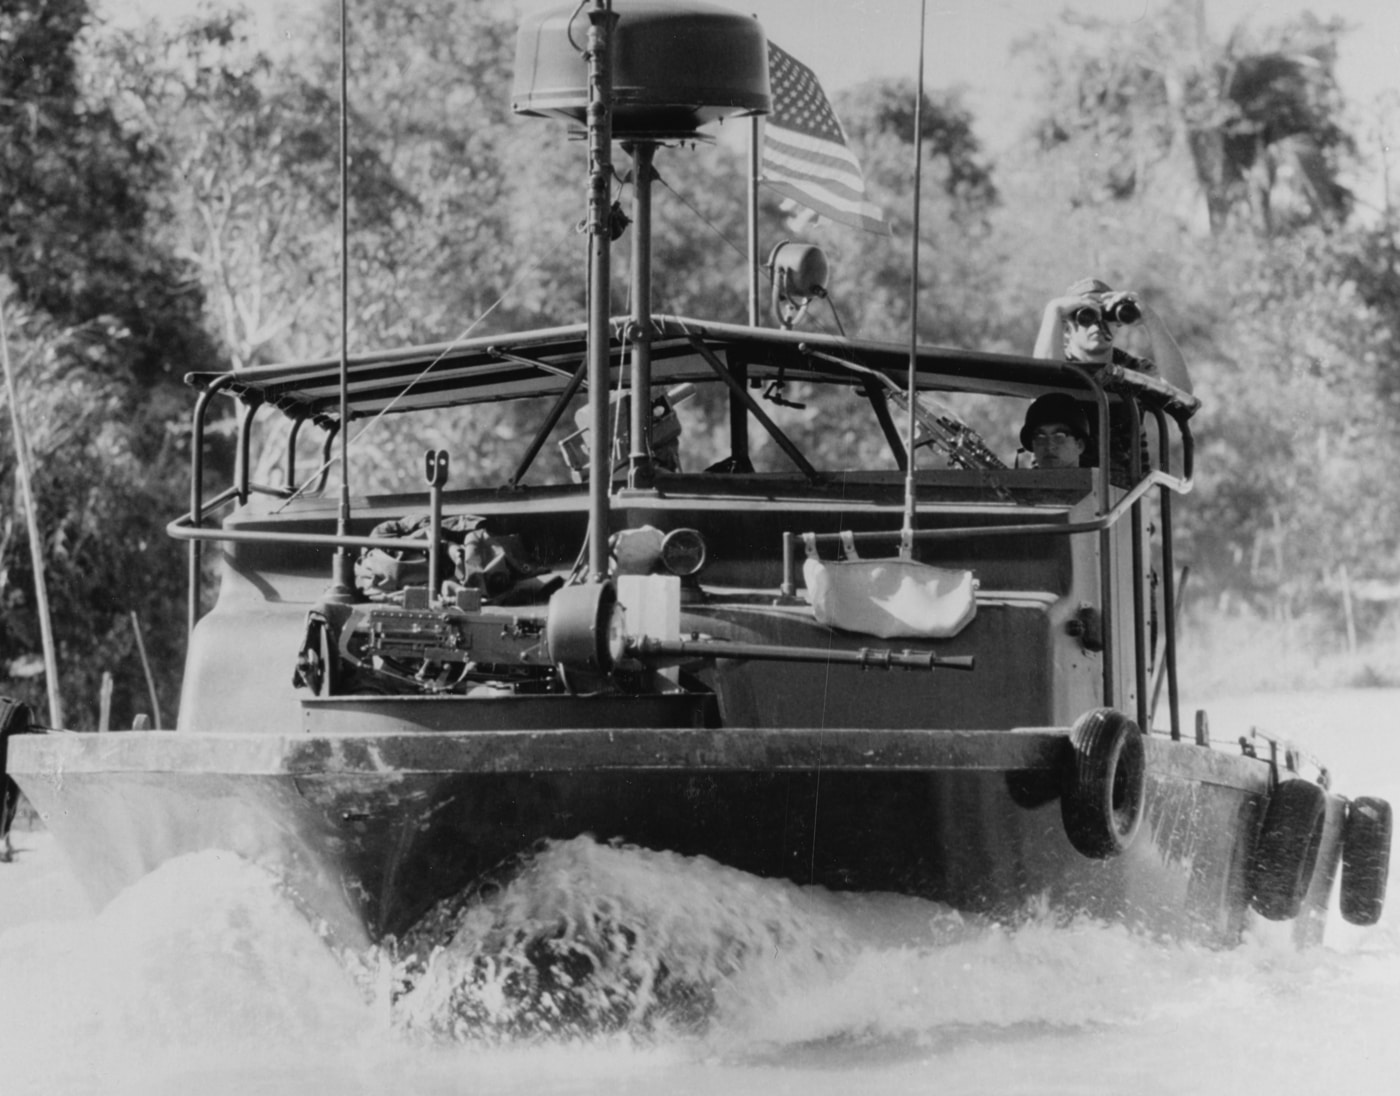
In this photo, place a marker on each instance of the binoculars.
(1121, 311)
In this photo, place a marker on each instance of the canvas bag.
(470, 555)
(887, 597)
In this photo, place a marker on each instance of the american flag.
(805, 157)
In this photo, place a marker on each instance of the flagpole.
(906, 537)
(36, 547)
(755, 165)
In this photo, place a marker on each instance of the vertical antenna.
(342, 574)
(906, 536)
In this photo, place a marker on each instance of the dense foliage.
(172, 202)
(102, 315)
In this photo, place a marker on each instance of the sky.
(968, 42)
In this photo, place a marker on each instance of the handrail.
(1102, 489)
(186, 528)
(194, 561)
(1093, 525)
(190, 526)
(1107, 517)
(182, 528)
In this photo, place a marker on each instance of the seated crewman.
(1056, 432)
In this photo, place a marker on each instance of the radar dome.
(675, 67)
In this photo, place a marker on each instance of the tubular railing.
(190, 527)
(1107, 517)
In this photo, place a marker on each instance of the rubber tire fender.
(1104, 783)
(318, 661)
(1285, 854)
(1365, 860)
(15, 718)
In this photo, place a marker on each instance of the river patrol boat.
(939, 677)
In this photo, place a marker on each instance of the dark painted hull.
(369, 830)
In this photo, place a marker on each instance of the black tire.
(1285, 854)
(1365, 860)
(15, 718)
(318, 665)
(1105, 783)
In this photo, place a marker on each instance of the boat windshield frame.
(550, 364)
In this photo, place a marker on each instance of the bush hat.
(1055, 409)
(1088, 286)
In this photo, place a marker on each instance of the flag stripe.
(786, 159)
(861, 215)
(795, 170)
(824, 194)
(805, 156)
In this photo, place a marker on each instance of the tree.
(871, 276)
(76, 187)
(1249, 125)
(255, 146)
(1296, 446)
(102, 316)
(103, 490)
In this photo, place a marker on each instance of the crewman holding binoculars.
(1082, 326)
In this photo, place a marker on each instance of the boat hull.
(370, 830)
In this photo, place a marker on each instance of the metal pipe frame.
(551, 420)
(639, 457)
(601, 20)
(741, 394)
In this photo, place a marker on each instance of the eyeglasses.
(1050, 437)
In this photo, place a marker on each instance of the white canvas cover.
(888, 597)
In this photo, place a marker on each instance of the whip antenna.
(342, 575)
(906, 536)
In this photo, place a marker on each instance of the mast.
(600, 24)
(651, 74)
(755, 267)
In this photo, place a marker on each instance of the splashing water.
(596, 968)
(589, 938)
(601, 968)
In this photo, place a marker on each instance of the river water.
(203, 979)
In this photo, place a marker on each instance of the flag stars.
(799, 102)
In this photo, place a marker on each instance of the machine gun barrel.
(647, 648)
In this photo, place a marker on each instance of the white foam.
(204, 979)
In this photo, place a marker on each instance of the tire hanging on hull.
(15, 718)
(1104, 783)
(1285, 854)
(1365, 860)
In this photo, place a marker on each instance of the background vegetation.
(171, 203)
